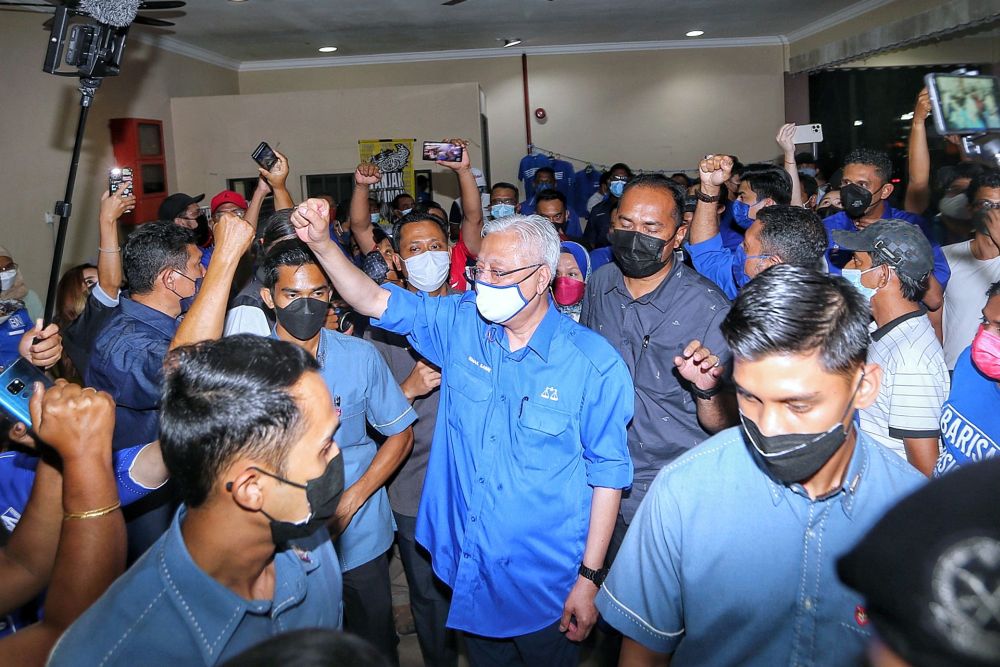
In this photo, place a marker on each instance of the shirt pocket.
(655, 371)
(352, 430)
(468, 396)
(541, 441)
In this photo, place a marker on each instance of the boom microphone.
(117, 13)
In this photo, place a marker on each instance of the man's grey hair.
(538, 240)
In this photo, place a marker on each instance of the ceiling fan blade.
(161, 4)
(147, 20)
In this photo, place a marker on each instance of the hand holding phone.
(440, 151)
(17, 385)
(264, 156)
(120, 177)
(808, 134)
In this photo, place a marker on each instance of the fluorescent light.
(511, 42)
(907, 116)
(858, 123)
(327, 49)
(694, 33)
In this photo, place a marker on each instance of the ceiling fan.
(145, 6)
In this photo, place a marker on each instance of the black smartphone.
(120, 177)
(17, 384)
(264, 156)
(440, 151)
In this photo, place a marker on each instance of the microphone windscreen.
(118, 13)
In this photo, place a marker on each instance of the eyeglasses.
(474, 273)
(986, 204)
(512, 202)
(240, 212)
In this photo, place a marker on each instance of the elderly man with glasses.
(529, 454)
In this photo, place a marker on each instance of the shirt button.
(807, 603)
(472, 518)
(465, 555)
(503, 399)
(482, 480)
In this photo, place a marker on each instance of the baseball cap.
(175, 204)
(929, 571)
(228, 197)
(902, 245)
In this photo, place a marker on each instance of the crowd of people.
(681, 421)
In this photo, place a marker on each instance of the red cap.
(228, 197)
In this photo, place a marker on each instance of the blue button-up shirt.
(837, 258)
(165, 610)
(126, 360)
(11, 331)
(365, 392)
(521, 437)
(719, 263)
(724, 566)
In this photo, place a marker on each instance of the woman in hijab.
(12, 287)
(570, 284)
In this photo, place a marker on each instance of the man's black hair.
(150, 249)
(872, 158)
(810, 186)
(292, 252)
(793, 310)
(769, 182)
(544, 170)
(426, 206)
(738, 167)
(948, 174)
(395, 200)
(277, 226)
(605, 177)
(224, 399)
(550, 195)
(506, 186)
(912, 290)
(416, 216)
(665, 185)
(311, 648)
(988, 178)
(794, 234)
(687, 181)
(379, 235)
(993, 290)
(621, 165)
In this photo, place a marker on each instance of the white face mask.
(428, 270)
(500, 303)
(956, 207)
(375, 217)
(7, 279)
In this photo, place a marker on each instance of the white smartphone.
(808, 134)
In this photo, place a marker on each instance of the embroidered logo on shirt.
(480, 364)
(551, 393)
(861, 615)
(10, 519)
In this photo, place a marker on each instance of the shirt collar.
(660, 297)
(889, 326)
(156, 319)
(541, 340)
(212, 611)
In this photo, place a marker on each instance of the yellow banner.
(395, 158)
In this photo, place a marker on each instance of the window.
(246, 187)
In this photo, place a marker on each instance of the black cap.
(174, 205)
(930, 571)
(902, 245)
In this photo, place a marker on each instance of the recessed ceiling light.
(327, 49)
(237, 0)
(511, 42)
(859, 123)
(694, 33)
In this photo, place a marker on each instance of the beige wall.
(318, 130)
(37, 123)
(651, 108)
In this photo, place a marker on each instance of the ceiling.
(268, 30)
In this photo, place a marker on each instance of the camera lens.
(15, 387)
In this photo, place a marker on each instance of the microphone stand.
(63, 208)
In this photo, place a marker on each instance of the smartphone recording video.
(964, 104)
(264, 156)
(439, 151)
(119, 177)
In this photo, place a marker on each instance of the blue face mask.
(808, 171)
(374, 217)
(501, 210)
(741, 214)
(188, 301)
(853, 276)
(739, 273)
(616, 188)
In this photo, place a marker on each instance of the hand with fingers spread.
(699, 366)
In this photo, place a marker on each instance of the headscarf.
(582, 258)
(19, 290)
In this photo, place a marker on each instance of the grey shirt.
(649, 332)
(405, 488)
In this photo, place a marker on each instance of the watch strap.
(596, 576)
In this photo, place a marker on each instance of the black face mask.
(323, 494)
(637, 254)
(855, 200)
(303, 317)
(827, 211)
(796, 456)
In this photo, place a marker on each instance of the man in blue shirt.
(529, 456)
(864, 192)
(364, 394)
(247, 435)
(731, 557)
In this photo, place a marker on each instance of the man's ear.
(680, 236)
(168, 278)
(811, 203)
(397, 263)
(244, 486)
(868, 390)
(267, 297)
(886, 191)
(544, 279)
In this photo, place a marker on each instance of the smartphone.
(17, 384)
(439, 151)
(264, 156)
(120, 177)
(964, 104)
(808, 134)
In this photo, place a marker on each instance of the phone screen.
(439, 151)
(264, 156)
(120, 177)
(965, 104)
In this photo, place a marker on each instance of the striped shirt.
(915, 382)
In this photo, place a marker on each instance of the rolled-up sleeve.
(641, 597)
(129, 490)
(607, 410)
(714, 261)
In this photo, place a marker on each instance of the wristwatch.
(708, 199)
(596, 576)
(706, 394)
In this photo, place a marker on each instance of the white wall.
(37, 124)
